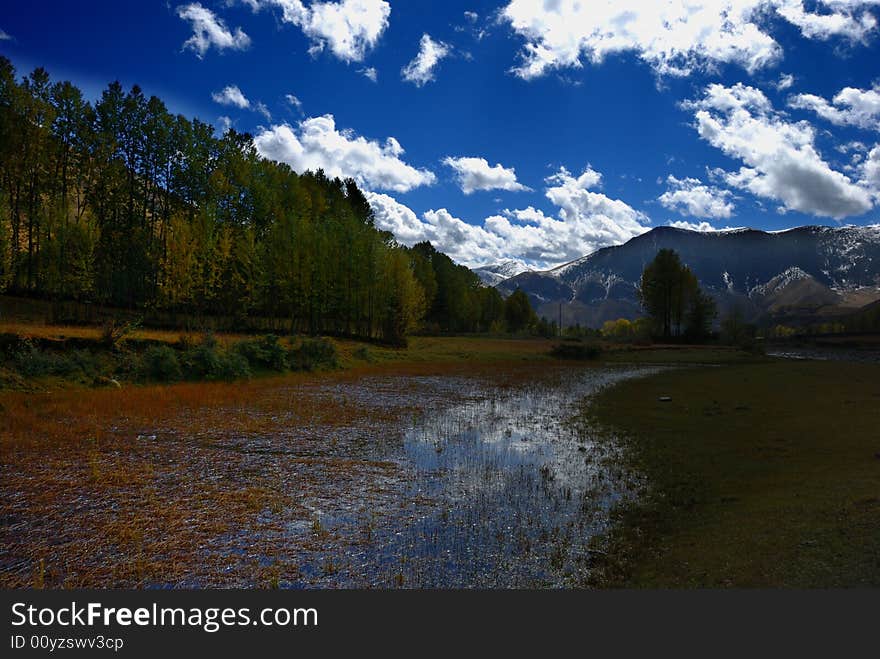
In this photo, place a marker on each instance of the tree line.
(124, 204)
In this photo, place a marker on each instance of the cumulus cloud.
(595, 220)
(871, 172)
(780, 157)
(674, 37)
(316, 143)
(421, 69)
(348, 28)
(370, 73)
(209, 30)
(843, 18)
(231, 95)
(587, 220)
(5, 36)
(849, 107)
(476, 174)
(689, 196)
(464, 243)
(703, 227)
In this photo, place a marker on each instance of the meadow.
(757, 475)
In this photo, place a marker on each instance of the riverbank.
(754, 475)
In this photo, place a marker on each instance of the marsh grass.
(755, 475)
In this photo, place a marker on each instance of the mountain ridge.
(814, 268)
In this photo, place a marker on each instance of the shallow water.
(497, 486)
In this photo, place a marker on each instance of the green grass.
(756, 475)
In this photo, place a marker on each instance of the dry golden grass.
(193, 484)
(39, 330)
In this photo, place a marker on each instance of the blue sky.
(515, 129)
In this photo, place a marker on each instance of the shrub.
(207, 361)
(576, 351)
(265, 352)
(86, 362)
(313, 354)
(201, 362)
(363, 354)
(161, 363)
(232, 366)
(33, 362)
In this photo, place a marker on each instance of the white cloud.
(786, 80)
(209, 30)
(871, 172)
(231, 95)
(225, 124)
(421, 69)
(594, 220)
(674, 37)
(316, 143)
(401, 220)
(587, 221)
(294, 101)
(260, 107)
(370, 73)
(464, 243)
(349, 28)
(850, 107)
(844, 18)
(780, 157)
(476, 174)
(689, 196)
(703, 227)
(471, 16)
(4, 36)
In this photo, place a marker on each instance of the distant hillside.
(814, 270)
(494, 274)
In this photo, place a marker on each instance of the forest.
(122, 204)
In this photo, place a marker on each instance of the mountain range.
(807, 271)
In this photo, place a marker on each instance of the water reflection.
(502, 489)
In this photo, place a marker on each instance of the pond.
(500, 484)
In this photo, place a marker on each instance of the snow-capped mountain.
(811, 268)
(494, 274)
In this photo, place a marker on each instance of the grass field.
(758, 475)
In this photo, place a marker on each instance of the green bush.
(313, 354)
(87, 363)
(265, 352)
(207, 361)
(363, 354)
(233, 366)
(33, 362)
(160, 363)
(201, 362)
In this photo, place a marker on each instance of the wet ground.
(497, 488)
(478, 479)
(821, 353)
